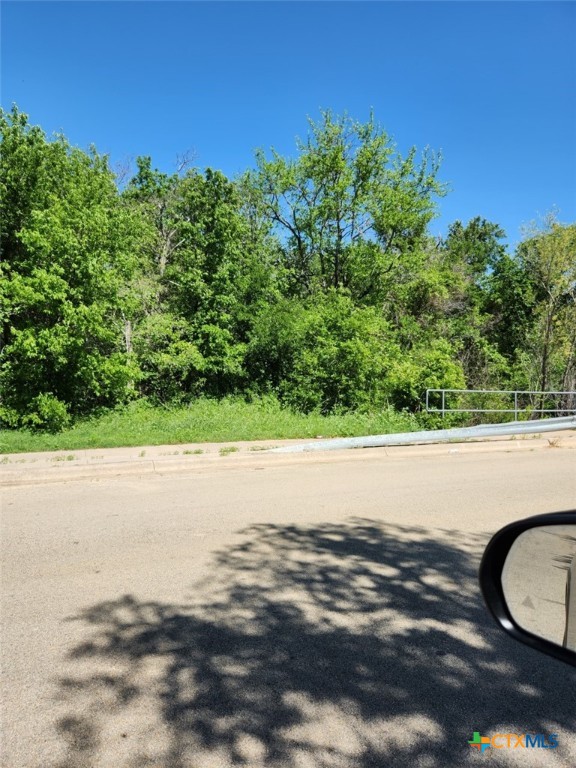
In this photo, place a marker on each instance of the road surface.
(317, 613)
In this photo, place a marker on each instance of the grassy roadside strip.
(205, 420)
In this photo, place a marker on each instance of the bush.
(325, 356)
(424, 367)
(46, 414)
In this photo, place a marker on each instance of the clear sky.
(492, 85)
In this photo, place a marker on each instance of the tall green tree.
(68, 246)
(157, 194)
(511, 301)
(470, 253)
(349, 210)
(548, 257)
(213, 275)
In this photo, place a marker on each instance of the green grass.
(205, 420)
(228, 449)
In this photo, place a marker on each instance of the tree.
(68, 246)
(349, 210)
(548, 257)
(510, 302)
(475, 245)
(470, 254)
(157, 193)
(313, 278)
(445, 300)
(322, 353)
(213, 278)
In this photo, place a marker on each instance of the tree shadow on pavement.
(356, 644)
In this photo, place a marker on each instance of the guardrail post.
(515, 406)
(443, 402)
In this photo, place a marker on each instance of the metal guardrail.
(516, 393)
(434, 436)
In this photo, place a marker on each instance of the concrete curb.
(93, 464)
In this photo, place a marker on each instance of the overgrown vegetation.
(204, 420)
(310, 280)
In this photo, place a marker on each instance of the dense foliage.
(313, 279)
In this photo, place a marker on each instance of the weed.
(228, 449)
(205, 421)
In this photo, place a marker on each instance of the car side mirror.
(528, 580)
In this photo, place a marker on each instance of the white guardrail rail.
(528, 401)
(435, 435)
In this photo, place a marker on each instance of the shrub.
(46, 414)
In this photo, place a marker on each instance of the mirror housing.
(514, 563)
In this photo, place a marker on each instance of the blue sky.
(492, 85)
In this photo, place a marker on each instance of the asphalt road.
(316, 613)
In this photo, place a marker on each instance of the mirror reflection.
(539, 583)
